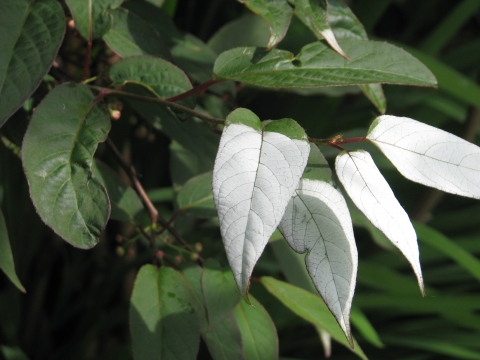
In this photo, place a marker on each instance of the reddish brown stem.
(336, 146)
(351, 140)
(86, 67)
(195, 90)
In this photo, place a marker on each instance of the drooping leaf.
(371, 193)
(318, 65)
(314, 14)
(31, 33)
(309, 307)
(374, 93)
(255, 174)
(92, 15)
(6, 256)
(130, 36)
(196, 196)
(317, 221)
(277, 13)
(124, 200)
(259, 336)
(66, 195)
(163, 323)
(365, 328)
(427, 155)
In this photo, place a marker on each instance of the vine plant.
(266, 174)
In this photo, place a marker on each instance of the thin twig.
(159, 101)
(195, 90)
(86, 67)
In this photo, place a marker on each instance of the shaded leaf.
(372, 195)
(318, 65)
(196, 197)
(309, 307)
(6, 256)
(124, 200)
(427, 155)
(374, 93)
(31, 37)
(343, 21)
(277, 13)
(66, 195)
(160, 311)
(364, 327)
(317, 222)
(130, 36)
(255, 174)
(259, 336)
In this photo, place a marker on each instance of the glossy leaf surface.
(255, 174)
(66, 195)
(371, 193)
(277, 13)
(317, 222)
(31, 33)
(427, 155)
(6, 256)
(317, 65)
(162, 321)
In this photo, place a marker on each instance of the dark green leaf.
(364, 327)
(310, 307)
(374, 93)
(92, 15)
(196, 198)
(224, 341)
(317, 65)
(66, 195)
(343, 21)
(13, 353)
(259, 336)
(277, 13)
(6, 256)
(130, 36)
(29, 41)
(162, 320)
(124, 200)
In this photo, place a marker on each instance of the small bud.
(151, 137)
(198, 247)
(120, 251)
(178, 259)
(159, 254)
(115, 115)
(194, 257)
(71, 24)
(119, 238)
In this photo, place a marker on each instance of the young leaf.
(277, 13)
(317, 65)
(371, 194)
(259, 336)
(196, 196)
(130, 36)
(317, 221)
(427, 155)
(162, 321)
(6, 256)
(314, 14)
(66, 195)
(255, 174)
(31, 33)
(311, 308)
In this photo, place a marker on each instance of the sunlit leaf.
(31, 33)
(277, 13)
(255, 174)
(372, 195)
(317, 65)
(317, 221)
(196, 196)
(160, 311)
(6, 256)
(427, 155)
(66, 195)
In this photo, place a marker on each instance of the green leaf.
(224, 341)
(130, 36)
(441, 243)
(317, 65)
(277, 13)
(92, 15)
(124, 200)
(162, 320)
(374, 93)
(314, 15)
(309, 307)
(364, 327)
(6, 256)
(30, 38)
(160, 77)
(343, 21)
(13, 353)
(196, 197)
(66, 195)
(259, 336)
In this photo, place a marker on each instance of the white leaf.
(256, 172)
(428, 155)
(317, 221)
(372, 195)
